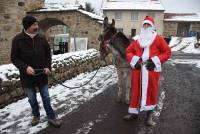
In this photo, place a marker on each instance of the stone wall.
(170, 29)
(11, 91)
(11, 14)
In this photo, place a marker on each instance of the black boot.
(149, 120)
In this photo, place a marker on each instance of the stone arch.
(46, 23)
(78, 23)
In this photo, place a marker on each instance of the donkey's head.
(108, 31)
(111, 40)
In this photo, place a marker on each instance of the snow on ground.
(186, 61)
(8, 70)
(185, 45)
(16, 117)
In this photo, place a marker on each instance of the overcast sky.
(178, 6)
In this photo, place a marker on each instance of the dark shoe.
(35, 121)
(149, 120)
(130, 117)
(56, 122)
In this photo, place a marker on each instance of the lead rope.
(41, 71)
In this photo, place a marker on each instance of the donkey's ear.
(113, 23)
(105, 22)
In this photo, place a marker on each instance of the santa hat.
(149, 20)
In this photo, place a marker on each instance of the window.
(133, 32)
(119, 30)
(134, 16)
(152, 14)
(104, 14)
(21, 4)
(118, 15)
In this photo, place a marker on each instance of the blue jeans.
(44, 93)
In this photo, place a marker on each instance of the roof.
(192, 17)
(58, 7)
(52, 7)
(133, 5)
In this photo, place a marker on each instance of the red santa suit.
(144, 89)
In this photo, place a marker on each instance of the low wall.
(62, 69)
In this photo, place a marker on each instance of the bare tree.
(88, 7)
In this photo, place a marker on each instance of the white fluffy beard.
(146, 37)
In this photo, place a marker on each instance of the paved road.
(180, 114)
(180, 55)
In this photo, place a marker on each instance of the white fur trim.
(134, 60)
(157, 63)
(145, 108)
(145, 55)
(145, 76)
(148, 22)
(145, 81)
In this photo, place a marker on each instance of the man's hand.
(150, 65)
(47, 71)
(30, 70)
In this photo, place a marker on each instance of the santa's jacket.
(159, 52)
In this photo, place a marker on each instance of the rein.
(41, 71)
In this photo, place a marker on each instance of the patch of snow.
(186, 61)
(68, 6)
(86, 127)
(185, 45)
(58, 7)
(7, 70)
(92, 15)
(160, 104)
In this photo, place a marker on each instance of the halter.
(108, 41)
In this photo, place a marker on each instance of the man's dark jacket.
(31, 52)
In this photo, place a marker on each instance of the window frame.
(133, 17)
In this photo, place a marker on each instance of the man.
(30, 51)
(145, 56)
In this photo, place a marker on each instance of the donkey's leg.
(120, 84)
(127, 83)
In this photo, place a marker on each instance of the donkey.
(116, 43)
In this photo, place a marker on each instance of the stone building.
(11, 14)
(181, 24)
(128, 15)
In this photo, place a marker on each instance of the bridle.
(105, 43)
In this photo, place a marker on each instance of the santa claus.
(146, 55)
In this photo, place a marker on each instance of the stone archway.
(49, 24)
(79, 24)
(46, 23)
